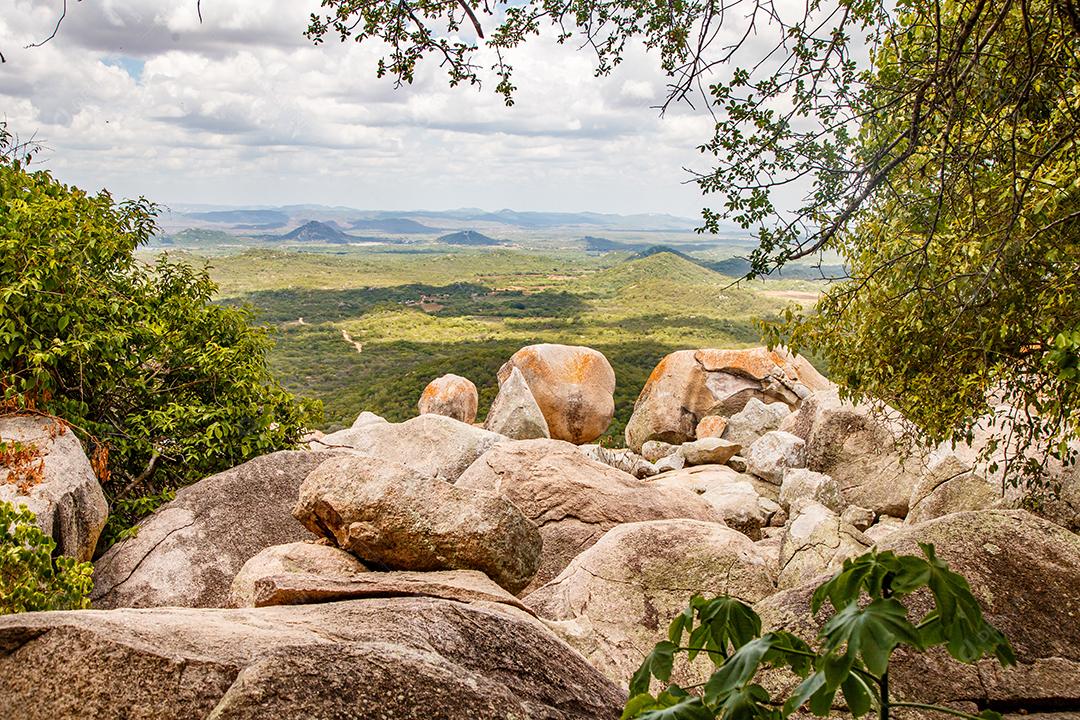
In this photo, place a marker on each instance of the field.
(368, 328)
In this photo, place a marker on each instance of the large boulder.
(615, 600)
(866, 452)
(514, 413)
(816, 542)
(391, 516)
(689, 385)
(754, 420)
(950, 485)
(408, 658)
(574, 500)
(1025, 573)
(573, 385)
(775, 453)
(297, 558)
(433, 445)
(43, 467)
(188, 552)
(803, 486)
(450, 395)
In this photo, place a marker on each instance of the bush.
(855, 645)
(162, 385)
(30, 578)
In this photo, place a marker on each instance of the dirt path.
(348, 338)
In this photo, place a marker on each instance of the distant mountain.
(468, 237)
(249, 217)
(401, 226)
(657, 249)
(599, 244)
(315, 231)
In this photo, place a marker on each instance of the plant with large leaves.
(854, 647)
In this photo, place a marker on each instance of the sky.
(138, 97)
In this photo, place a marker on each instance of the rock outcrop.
(773, 454)
(44, 468)
(391, 516)
(398, 657)
(615, 600)
(433, 445)
(450, 395)
(754, 420)
(816, 542)
(732, 495)
(514, 413)
(863, 451)
(948, 486)
(572, 499)
(689, 385)
(188, 552)
(297, 558)
(573, 385)
(1025, 572)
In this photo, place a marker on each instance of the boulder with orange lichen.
(573, 385)
(450, 395)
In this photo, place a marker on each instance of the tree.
(937, 146)
(869, 622)
(164, 386)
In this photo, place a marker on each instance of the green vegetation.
(870, 621)
(965, 297)
(162, 385)
(30, 578)
(409, 333)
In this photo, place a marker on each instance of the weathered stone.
(689, 385)
(573, 385)
(573, 499)
(304, 558)
(407, 658)
(754, 420)
(863, 451)
(621, 459)
(368, 418)
(188, 552)
(433, 445)
(300, 588)
(816, 543)
(615, 600)
(801, 486)
(1024, 571)
(885, 526)
(515, 413)
(711, 426)
(773, 454)
(671, 462)
(859, 517)
(708, 451)
(54, 480)
(450, 395)
(391, 516)
(949, 486)
(731, 494)
(655, 450)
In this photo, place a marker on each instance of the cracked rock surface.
(187, 553)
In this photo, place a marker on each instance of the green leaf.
(657, 664)
(636, 705)
(871, 632)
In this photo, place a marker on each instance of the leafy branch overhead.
(870, 621)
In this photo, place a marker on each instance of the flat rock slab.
(307, 588)
(402, 658)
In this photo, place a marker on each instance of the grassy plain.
(368, 328)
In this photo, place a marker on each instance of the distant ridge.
(315, 231)
(402, 226)
(468, 237)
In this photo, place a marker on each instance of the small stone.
(774, 453)
(655, 450)
(708, 451)
(711, 426)
(859, 517)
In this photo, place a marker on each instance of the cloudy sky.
(136, 96)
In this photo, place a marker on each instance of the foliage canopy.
(165, 386)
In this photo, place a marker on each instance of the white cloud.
(137, 96)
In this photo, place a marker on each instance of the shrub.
(30, 577)
(854, 646)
